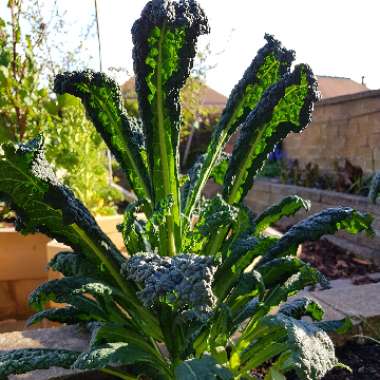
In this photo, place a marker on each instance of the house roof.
(209, 97)
(337, 86)
(329, 86)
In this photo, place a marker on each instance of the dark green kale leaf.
(279, 270)
(287, 207)
(112, 354)
(75, 264)
(43, 204)
(164, 39)
(101, 97)
(215, 214)
(72, 290)
(312, 352)
(325, 222)
(69, 315)
(285, 107)
(300, 307)
(271, 63)
(28, 359)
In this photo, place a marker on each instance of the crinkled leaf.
(68, 290)
(44, 205)
(26, 360)
(270, 64)
(132, 231)
(75, 264)
(312, 351)
(285, 107)
(164, 39)
(244, 251)
(305, 276)
(215, 214)
(325, 222)
(279, 270)
(155, 235)
(301, 307)
(205, 368)
(113, 355)
(250, 285)
(287, 207)
(101, 97)
(69, 315)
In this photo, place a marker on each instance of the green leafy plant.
(196, 296)
(27, 108)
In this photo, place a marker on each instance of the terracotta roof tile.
(337, 86)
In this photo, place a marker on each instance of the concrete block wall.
(344, 127)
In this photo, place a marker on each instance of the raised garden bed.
(266, 192)
(23, 265)
(335, 262)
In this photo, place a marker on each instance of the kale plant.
(203, 292)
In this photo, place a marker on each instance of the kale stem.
(165, 169)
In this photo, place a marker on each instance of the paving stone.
(359, 302)
(67, 337)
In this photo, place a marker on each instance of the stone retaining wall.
(266, 192)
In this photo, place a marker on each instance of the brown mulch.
(335, 262)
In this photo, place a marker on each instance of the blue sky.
(335, 37)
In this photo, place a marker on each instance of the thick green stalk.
(113, 269)
(216, 241)
(240, 178)
(207, 167)
(169, 231)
